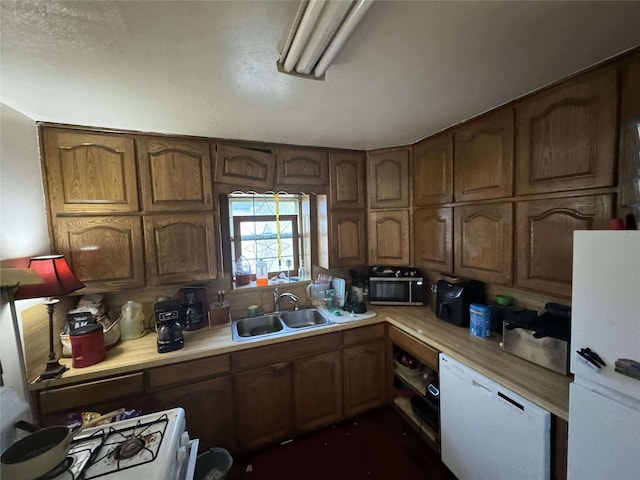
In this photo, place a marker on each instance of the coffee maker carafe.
(169, 317)
(194, 305)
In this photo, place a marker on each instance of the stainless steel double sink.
(277, 324)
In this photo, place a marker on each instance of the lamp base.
(53, 370)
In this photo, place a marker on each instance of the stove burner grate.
(127, 449)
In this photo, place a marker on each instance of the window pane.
(255, 238)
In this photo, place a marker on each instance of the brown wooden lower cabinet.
(264, 404)
(105, 395)
(318, 390)
(364, 377)
(279, 400)
(209, 410)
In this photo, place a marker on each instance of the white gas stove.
(154, 446)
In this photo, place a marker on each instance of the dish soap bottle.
(131, 321)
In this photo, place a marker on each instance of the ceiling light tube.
(341, 37)
(330, 19)
(305, 28)
(293, 29)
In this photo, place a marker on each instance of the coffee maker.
(169, 317)
(193, 300)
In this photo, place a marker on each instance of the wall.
(23, 221)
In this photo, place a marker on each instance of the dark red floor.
(377, 445)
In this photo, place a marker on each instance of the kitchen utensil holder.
(219, 316)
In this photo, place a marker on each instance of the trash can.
(213, 465)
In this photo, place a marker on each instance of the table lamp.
(58, 280)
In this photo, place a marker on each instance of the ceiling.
(208, 68)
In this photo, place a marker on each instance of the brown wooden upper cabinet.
(388, 178)
(484, 157)
(89, 172)
(433, 238)
(389, 237)
(630, 120)
(301, 166)
(105, 252)
(484, 242)
(245, 167)
(341, 235)
(180, 248)
(433, 170)
(175, 174)
(347, 180)
(545, 238)
(566, 136)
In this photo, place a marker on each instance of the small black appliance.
(454, 296)
(194, 305)
(169, 317)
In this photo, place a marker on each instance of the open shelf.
(412, 398)
(404, 405)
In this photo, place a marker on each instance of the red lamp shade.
(58, 278)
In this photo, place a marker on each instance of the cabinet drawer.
(76, 396)
(418, 349)
(363, 334)
(188, 371)
(283, 352)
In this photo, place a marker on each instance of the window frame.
(236, 239)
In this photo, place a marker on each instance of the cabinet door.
(348, 244)
(174, 174)
(484, 157)
(433, 170)
(433, 238)
(104, 395)
(180, 248)
(209, 410)
(484, 242)
(545, 239)
(389, 237)
(347, 180)
(318, 390)
(566, 136)
(264, 405)
(89, 172)
(245, 167)
(105, 253)
(364, 377)
(630, 131)
(302, 166)
(388, 178)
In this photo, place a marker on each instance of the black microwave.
(396, 291)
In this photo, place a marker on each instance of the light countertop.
(544, 387)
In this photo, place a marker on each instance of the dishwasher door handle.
(479, 385)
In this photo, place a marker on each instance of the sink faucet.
(276, 299)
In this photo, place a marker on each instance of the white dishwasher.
(488, 432)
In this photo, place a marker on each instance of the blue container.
(480, 320)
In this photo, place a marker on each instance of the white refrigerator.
(604, 404)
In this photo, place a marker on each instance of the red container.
(87, 345)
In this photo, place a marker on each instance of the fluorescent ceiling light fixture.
(320, 29)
